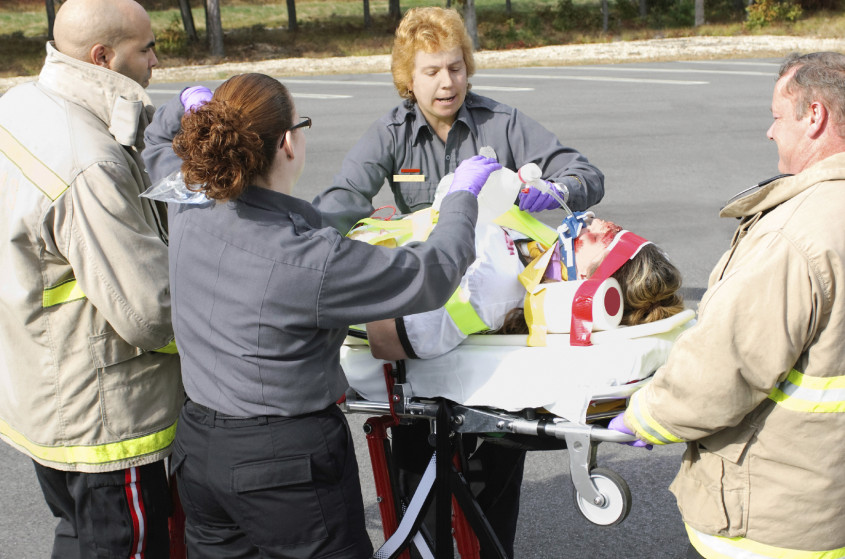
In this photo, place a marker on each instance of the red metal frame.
(378, 445)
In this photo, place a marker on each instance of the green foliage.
(577, 17)
(172, 39)
(766, 12)
(671, 13)
(724, 11)
(626, 12)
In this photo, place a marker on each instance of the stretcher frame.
(601, 495)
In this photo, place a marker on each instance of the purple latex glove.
(472, 173)
(194, 97)
(536, 200)
(618, 424)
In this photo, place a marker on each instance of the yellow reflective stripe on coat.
(62, 293)
(799, 392)
(644, 424)
(717, 547)
(94, 454)
(169, 348)
(528, 225)
(463, 314)
(39, 174)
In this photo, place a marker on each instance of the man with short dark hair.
(89, 382)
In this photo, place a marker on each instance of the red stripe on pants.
(136, 513)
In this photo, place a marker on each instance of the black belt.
(214, 417)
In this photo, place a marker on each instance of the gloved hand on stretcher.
(618, 424)
(194, 97)
(472, 173)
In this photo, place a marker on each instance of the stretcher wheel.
(617, 499)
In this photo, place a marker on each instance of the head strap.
(625, 246)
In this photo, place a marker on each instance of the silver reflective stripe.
(654, 432)
(803, 393)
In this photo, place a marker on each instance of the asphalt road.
(675, 140)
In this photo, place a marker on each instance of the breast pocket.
(416, 195)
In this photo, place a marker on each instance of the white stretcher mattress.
(501, 372)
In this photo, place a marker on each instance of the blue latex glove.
(536, 200)
(618, 424)
(472, 173)
(194, 97)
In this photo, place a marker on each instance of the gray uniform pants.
(269, 486)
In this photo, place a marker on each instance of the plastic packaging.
(172, 188)
(500, 191)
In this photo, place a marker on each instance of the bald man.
(112, 34)
(90, 385)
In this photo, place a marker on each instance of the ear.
(100, 55)
(286, 145)
(818, 119)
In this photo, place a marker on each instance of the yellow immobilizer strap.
(394, 233)
(528, 225)
(530, 278)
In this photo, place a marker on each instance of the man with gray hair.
(756, 389)
(90, 387)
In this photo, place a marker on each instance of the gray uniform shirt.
(262, 296)
(402, 139)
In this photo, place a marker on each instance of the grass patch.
(258, 30)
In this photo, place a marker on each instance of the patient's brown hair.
(650, 291)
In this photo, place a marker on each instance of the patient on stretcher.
(649, 284)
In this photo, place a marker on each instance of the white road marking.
(592, 78)
(671, 70)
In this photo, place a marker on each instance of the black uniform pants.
(110, 515)
(269, 486)
(495, 477)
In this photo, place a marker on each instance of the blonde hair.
(429, 30)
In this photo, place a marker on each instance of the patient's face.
(591, 246)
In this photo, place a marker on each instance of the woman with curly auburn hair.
(262, 298)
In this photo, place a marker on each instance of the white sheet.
(501, 372)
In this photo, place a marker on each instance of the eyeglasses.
(304, 123)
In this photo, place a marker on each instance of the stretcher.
(557, 396)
